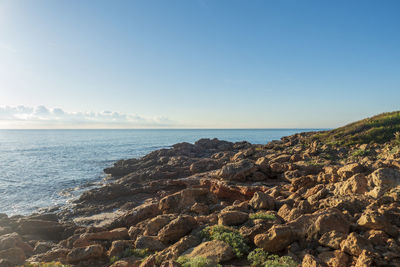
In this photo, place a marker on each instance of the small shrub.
(359, 153)
(140, 253)
(196, 262)
(230, 236)
(114, 259)
(397, 138)
(263, 216)
(260, 258)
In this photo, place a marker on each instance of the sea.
(45, 168)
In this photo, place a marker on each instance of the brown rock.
(149, 242)
(81, 254)
(215, 250)
(349, 170)
(365, 259)
(177, 228)
(355, 244)
(13, 255)
(332, 239)
(115, 234)
(237, 170)
(118, 247)
(334, 258)
(311, 261)
(139, 214)
(127, 262)
(155, 224)
(276, 239)
(357, 184)
(384, 179)
(232, 217)
(263, 201)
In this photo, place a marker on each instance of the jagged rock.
(43, 247)
(365, 259)
(384, 179)
(149, 242)
(127, 262)
(156, 223)
(176, 229)
(357, 184)
(86, 253)
(277, 238)
(332, 239)
(47, 230)
(354, 244)
(237, 170)
(335, 258)
(350, 170)
(263, 201)
(14, 240)
(115, 234)
(204, 165)
(373, 219)
(200, 208)
(118, 247)
(311, 261)
(14, 255)
(215, 250)
(232, 217)
(138, 214)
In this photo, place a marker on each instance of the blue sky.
(197, 63)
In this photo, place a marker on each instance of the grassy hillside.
(380, 129)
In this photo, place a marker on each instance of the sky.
(197, 63)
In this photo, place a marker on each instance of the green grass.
(360, 153)
(260, 258)
(230, 236)
(262, 216)
(378, 129)
(196, 262)
(140, 253)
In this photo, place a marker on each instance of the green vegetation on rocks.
(196, 262)
(230, 236)
(260, 258)
(378, 129)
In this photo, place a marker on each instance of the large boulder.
(47, 230)
(277, 238)
(149, 242)
(357, 184)
(14, 255)
(232, 217)
(354, 244)
(237, 171)
(176, 229)
(349, 170)
(138, 214)
(262, 201)
(384, 179)
(115, 234)
(155, 224)
(215, 250)
(86, 253)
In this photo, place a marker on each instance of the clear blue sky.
(197, 63)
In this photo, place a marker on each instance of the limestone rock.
(215, 250)
(276, 239)
(149, 242)
(263, 201)
(81, 254)
(176, 229)
(232, 217)
(237, 170)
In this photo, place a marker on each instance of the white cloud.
(44, 117)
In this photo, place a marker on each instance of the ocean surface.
(42, 168)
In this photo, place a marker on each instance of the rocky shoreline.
(296, 201)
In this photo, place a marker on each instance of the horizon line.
(30, 129)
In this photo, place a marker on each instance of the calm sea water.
(42, 168)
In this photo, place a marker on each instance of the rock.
(384, 179)
(326, 221)
(43, 247)
(14, 255)
(311, 261)
(183, 200)
(149, 242)
(332, 239)
(357, 184)
(263, 165)
(365, 259)
(176, 229)
(175, 250)
(334, 258)
(6, 263)
(355, 244)
(232, 217)
(118, 247)
(276, 239)
(47, 230)
(115, 234)
(204, 165)
(139, 214)
(373, 219)
(215, 250)
(127, 262)
(200, 208)
(14, 240)
(237, 171)
(155, 224)
(263, 201)
(134, 232)
(56, 254)
(81, 254)
(350, 170)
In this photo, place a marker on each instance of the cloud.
(42, 116)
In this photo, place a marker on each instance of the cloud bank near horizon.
(44, 117)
